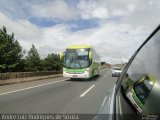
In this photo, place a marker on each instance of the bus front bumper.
(79, 75)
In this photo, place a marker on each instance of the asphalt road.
(57, 95)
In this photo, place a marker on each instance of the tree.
(52, 62)
(33, 60)
(10, 52)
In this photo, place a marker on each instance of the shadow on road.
(84, 79)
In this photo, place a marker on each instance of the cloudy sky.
(114, 27)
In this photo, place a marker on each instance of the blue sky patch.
(80, 24)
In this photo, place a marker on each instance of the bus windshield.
(76, 58)
(142, 90)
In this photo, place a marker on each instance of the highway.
(57, 95)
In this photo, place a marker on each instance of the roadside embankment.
(17, 77)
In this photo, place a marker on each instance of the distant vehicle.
(116, 71)
(80, 61)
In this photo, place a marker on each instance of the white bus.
(80, 61)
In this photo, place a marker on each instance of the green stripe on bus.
(138, 101)
(75, 70)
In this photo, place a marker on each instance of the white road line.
(120, 109)
(83, 94)
(112, 101)
(116, 104)
(103, 102)
(31, 87)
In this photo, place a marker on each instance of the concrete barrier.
(14, 75)
(17, 77)
(27, 79)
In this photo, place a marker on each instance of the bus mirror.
(90, 55)
(61, 56)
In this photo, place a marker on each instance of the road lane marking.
(112, 101)
(83, 94)
(116, 104)
(32, 87)
(120, 109)
(104, 102)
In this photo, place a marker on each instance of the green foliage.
(33, 60)
(10, 52)
(52, 62)
(102, 63)
(11, 57)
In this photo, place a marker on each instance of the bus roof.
(78, 46)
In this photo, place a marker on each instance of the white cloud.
(146, 14)
(24, 31)
(100, 13)
(114, 39)
(114, 42)
(130, 7)
(124, 60)
(54, 9)
(22, 28)
(103, 9)
(119, 12)
(90, 10)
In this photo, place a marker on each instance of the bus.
(80, 61)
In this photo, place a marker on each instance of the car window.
(117, 68)
(140, 85)
(142, 90)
